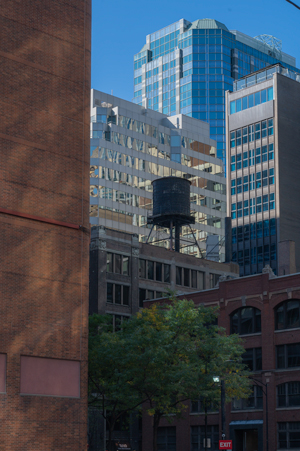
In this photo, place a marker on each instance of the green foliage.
(163, 356)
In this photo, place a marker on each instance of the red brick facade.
(44, 222)
(265, 294)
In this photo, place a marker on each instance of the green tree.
(110, 373)
(164, 356)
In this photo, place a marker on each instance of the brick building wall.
(44, 223)
(264, 292)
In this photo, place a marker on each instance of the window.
(257, 155)
(232, 139)
(239, 161)
(117, 320)
(252, 209)
(288, 356)
(246, 320)
(213, 280)
(167, 273)
(199, 405)
(257, 131)
(232, 187)
(255, 400)
(246, 183)
(116, 263)
(142, 269)
(187, 277)
(271, 151)
(233, 163)
(287, 315)
(272, 201)
(117, 294)
(264, 129)
(166, 438)
(198, 437)
(288, 394)
(239, 137)
(239, 209)
(271, 176)
(245, 159)
(158, 271)
(245, 135)
(239, 185)
(270, 127)
(265, 202)
(264, 153)
(233, 211)
(258, 180)
(289, 435)
(253, 359)
(258, 204)
(251, 133)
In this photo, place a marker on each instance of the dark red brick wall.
(264, 293)
(44, 172)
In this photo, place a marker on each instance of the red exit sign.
(225, 444)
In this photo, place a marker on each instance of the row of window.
(117, 294)
(288, 435)
(247, 320)
(151, 270)
(145, 294)
(252, 157)
(251, 133)
(114, 156)
(189, 277)
(254, 230)
(252, 181)
(260, 254)
(287, 395)
(263, 96)
(118, 264)
(261, 203)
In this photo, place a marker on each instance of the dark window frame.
(287, 396)
(122, 296)
(285, 314)
(255, 318)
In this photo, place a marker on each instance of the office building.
(123, 273)
(44, 220)
(186, 68)
(263, 183)
(264, 310)
(130, 147)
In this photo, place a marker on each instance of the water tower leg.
(177, 237)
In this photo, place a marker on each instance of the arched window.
(245, 320)
(288, 394)
(287, 315)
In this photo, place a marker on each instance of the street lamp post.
(223, 418)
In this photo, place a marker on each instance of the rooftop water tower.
(171, 208)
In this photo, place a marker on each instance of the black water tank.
(171, 196)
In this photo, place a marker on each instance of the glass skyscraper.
(187, 67)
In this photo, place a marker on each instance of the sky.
(119, 30)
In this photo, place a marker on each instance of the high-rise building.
(130, 147)
(263, 182)
(44, 221)
(187, 67)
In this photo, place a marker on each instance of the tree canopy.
(162, 357)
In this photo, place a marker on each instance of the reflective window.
(198, 437)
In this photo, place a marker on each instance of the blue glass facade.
(187, 67)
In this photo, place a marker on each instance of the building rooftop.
(264, 74)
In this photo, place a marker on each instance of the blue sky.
(119, 30)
